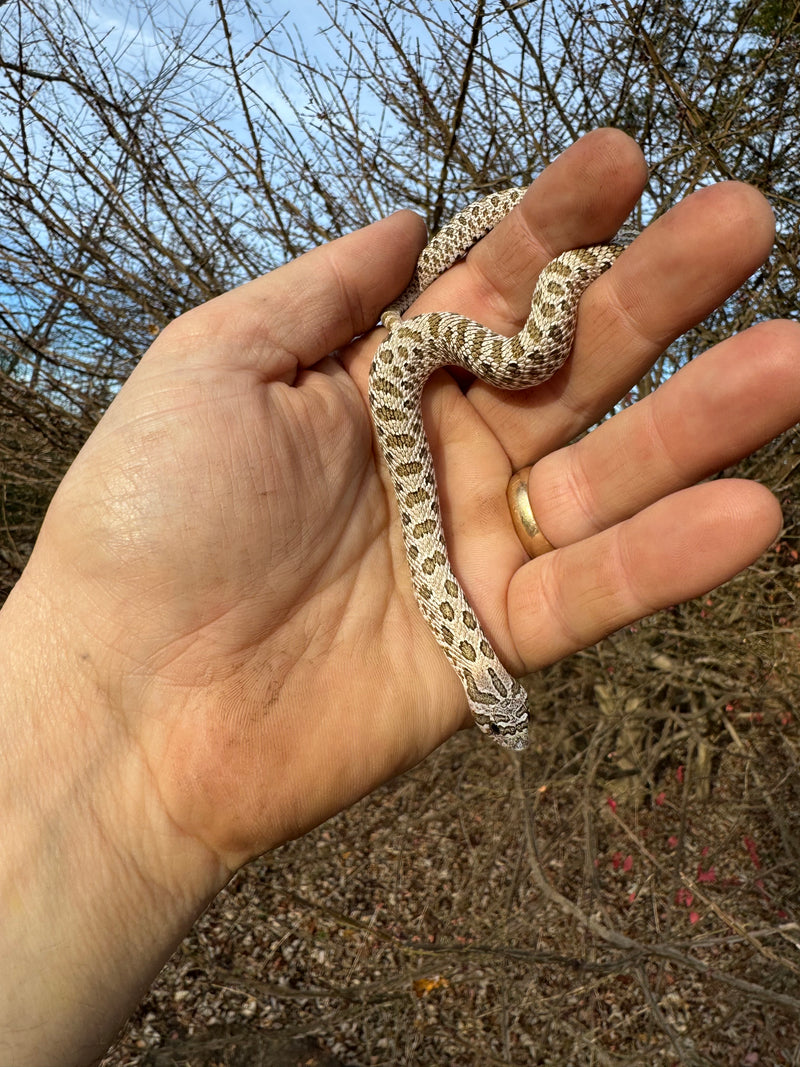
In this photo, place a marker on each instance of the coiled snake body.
(413, 350)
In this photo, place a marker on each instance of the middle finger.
(714, 411)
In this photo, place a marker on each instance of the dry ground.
(627, 892)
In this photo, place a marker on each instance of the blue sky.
(138, 38)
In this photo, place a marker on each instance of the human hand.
(226, 548)
(226, 646)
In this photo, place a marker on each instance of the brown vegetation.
(627, 891)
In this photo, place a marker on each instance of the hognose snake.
(416, 347)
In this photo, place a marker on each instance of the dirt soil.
(627, 892)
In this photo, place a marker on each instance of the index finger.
(581, 198)
(673, 275)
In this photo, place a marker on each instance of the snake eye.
(494, 728)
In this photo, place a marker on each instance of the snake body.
(416, 347)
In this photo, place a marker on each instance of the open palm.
(227, 545)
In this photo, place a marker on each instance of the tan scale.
(413, 349)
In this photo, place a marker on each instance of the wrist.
(98, 885)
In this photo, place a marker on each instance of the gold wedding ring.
(531, 537)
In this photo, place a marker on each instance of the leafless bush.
(138, 181)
